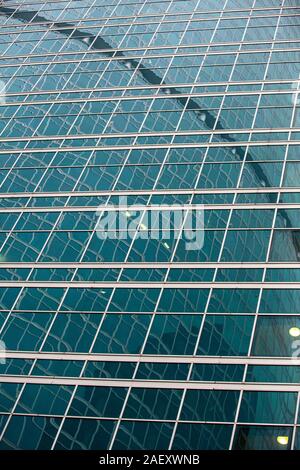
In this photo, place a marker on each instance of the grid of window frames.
(139, 343)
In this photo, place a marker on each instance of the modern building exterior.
(131, 340)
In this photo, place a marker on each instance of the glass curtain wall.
(136, 342)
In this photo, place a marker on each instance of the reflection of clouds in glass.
(2, 92)
(296, 349)
(296, 88)
(2, 352)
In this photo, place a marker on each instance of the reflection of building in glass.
(165, 103)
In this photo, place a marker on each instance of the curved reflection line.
(97, 42)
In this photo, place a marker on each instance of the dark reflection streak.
(97, 43)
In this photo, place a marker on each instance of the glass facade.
(135, 342)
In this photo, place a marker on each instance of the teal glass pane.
(246, 245)
(44, 399)
(225, 335)
(65, 246)
(209, 252)
(149, 403)
(134, 300)
(285, 245)
(209, 405)
(280, 301)
(72, 332)
(183, 300)
(173, 334)
(39, 299)
(143, 435)
(97, 401)
(283, 275)
(122, 334)
(242, 218)
(262, 438)
(106, 250)
(162, 371)
(202, 437)
(217, 372)
(30, 433)
(277, 374)
(91, 300)
(26, 331)
(291, 174)
(8, 297)
(9, 393)
(274, 337)
(257, 175)
(268, 407)
(233, 300)
(15, 366)
(239, 275)
(85, 434)
(48, 367)
(114, 370)
(191, 275)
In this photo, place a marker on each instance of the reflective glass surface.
(149, 334)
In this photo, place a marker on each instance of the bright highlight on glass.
(283, 440)
(294, 331)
